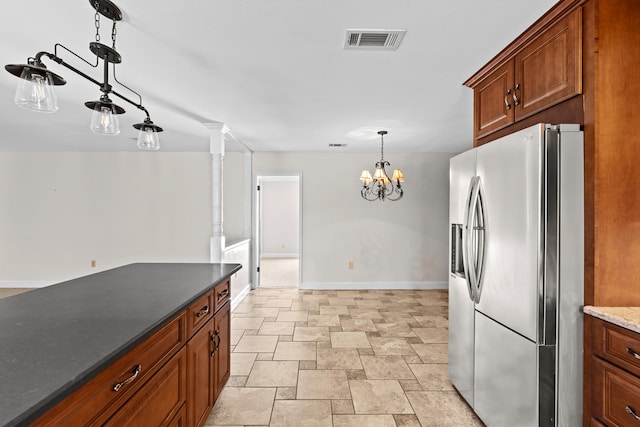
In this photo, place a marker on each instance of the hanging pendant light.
(148, 135)
(104, 120)
(35, 88)
(380, 186)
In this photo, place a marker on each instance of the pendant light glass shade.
(148, 140)
(148, 135)
(35, 91)
(104, 122)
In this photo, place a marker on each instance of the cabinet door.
(200, 375)
(549, 69)
(616, 395)
(222, 358)
(493, 99)
(160, 400)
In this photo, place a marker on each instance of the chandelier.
(380, 187)
(35, 89)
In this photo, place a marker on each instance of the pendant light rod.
(104, 87)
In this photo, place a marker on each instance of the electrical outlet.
(93, 263)
(350, 265)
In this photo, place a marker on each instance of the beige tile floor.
(340, 358)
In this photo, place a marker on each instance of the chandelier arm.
(59, 60)
(399, 191)
(368, 191)
(124, 98)
(128, 88)
(55, 52)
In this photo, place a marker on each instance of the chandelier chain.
(382, 148)
(113, 34)
(97, 21)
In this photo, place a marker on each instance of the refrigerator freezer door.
(505, 390)
(461, 307)
(461, 336)
(511, 172)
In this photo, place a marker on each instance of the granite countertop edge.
(625, 317)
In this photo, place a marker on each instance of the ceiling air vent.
(373, 39)
(331, 145)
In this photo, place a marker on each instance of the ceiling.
(275, 72)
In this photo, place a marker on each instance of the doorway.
(278, 225)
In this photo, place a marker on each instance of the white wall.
(62, 210)
(280, 218)
(392, 244)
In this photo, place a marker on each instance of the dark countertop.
(54, 339)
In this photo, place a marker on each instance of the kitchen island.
(56, 341)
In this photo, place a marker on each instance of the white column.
(217, 133)
(248, 187)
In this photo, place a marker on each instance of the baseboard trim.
(238, 299)
(24, 284)
(280, 255)
(373, 285)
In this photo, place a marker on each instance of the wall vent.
(373, 39)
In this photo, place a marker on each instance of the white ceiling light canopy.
(374, 39)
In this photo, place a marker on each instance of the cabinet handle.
(633, 353)
(216, 345)
(223, 294)
(506, 100)
(135, 373)
(516, 101)
(632, 412)
(203, 312)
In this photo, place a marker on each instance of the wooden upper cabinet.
(538, 71)
(549, 69)
(493, 99)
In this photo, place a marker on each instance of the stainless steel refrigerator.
(516, 277)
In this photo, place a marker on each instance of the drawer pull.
(223, 294)
(632, 412)
(506, 100)
(136, 371)
(203, 312)
(516, 101)
(216, 345)
(633, 353)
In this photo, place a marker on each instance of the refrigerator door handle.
(480, 229)
(468, 259)
(474, 239)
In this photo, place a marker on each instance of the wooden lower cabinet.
(615, 375)
(160, 401)
(222, 358)
(208, 354)
(201, 375)
(171, 379)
